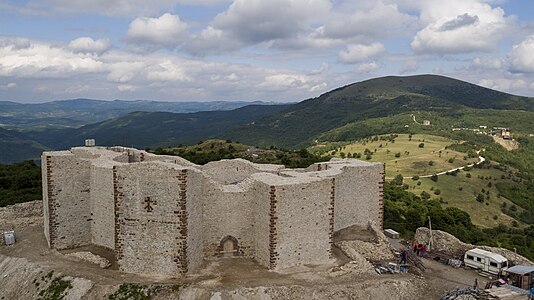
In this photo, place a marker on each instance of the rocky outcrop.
(448, 243)
(90, 257)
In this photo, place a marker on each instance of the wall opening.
(228, 247)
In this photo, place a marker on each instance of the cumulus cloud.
(249, 22)
(357, 53)
(368, 67)
(365, 19)
(503, 84)
(521, 57)
(166, 31)
(88, 45)
(43, 60)
(460, 26)
(488, 63)
(10, 85)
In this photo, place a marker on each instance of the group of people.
(419, 249)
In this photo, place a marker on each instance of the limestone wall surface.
(235, 170)
(228, 211)
(358, 196)
(151, 221)
(193, 197)
(303, 223)
(261, 202)
(102, 206)
(67, 199)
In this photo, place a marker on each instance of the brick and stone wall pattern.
(152, 239)
(303, 223)
(358, 196)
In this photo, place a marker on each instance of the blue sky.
(276, 50)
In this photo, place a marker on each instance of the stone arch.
(228, 247)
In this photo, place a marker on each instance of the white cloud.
(503, 84)
(121, 8)
(88, 45)
(460, 26)
(250, 22)
(365, 19)
(368, 67)
(409, 67)
(356, 53)
(126, 88)
(43, 60)
(10, 85)
(166, 31)
(488, 63)
(522, 55)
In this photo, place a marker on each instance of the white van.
(486, 261)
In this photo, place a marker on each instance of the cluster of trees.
(405, 212)
(206, 152)
(19, 183)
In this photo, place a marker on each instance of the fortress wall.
(229, 171)
(151, 237)
(303, 223)
(358, 196)
(261, 201)
(228, 212)
(194, 200)
(67, 203)
(45, 181)
(102, 205)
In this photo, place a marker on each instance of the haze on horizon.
(185, 50)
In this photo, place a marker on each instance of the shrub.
(434, 178)
(422, 145)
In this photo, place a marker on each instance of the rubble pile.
(448, 243)
(90, 257)
(28, 213)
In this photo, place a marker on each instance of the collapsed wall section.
(359, 197)
(66, 181)
(151, 218)
(303, 219)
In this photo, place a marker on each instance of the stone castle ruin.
(165, 215)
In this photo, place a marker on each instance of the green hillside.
(15, 147)
(152, 129)
(300, 124)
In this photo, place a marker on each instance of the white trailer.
(486, 261)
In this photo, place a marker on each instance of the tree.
(434, 178)
(415, 177)
(398, 179)
(422, 145)
(425, 195)
(480, 198)
(397, 154)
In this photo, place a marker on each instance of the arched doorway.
(228, 247)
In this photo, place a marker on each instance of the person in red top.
(423, 250)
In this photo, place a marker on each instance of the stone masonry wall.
(151, 218)
(358, 196)
(303, 223)
(102, 206)
(67, 200)
(228, 211)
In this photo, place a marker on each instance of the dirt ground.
(235, 278)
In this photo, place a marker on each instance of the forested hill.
(300, 123)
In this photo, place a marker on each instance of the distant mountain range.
(376, 106)
(78, 112)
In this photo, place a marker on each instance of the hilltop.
(365, 108)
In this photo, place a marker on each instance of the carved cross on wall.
(149, 202)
